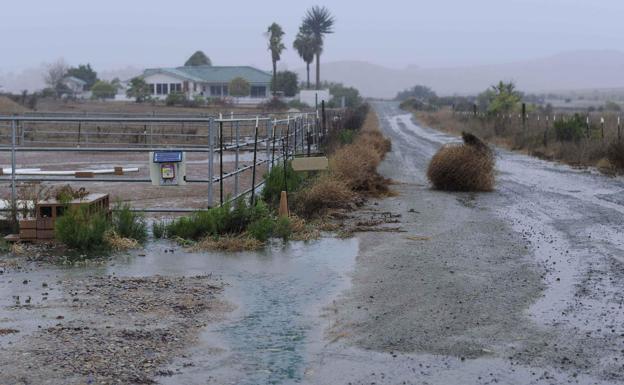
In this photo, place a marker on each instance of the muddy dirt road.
(522, 285)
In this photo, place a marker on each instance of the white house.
(77, 88)
(207, 81)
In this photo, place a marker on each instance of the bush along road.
(522, 285)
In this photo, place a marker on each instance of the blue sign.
(167, 156)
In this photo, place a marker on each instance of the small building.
(77, 88)
(41, 228)
(207, 81)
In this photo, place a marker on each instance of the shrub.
(229, 243)
(274, 104)
(570, 130)
(274, 183)
(78, 229)
(217, 221)
(262, 229)
(326, 192)
(129, 224)
(176, 98)
(355, 117)
(465, 167)
(356, 163)
(615, 154)
(283, 228)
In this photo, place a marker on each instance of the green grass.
(129, 224)
(274, 183)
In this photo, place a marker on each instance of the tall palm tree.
(276, 46)
(319, 22)
(305, 44)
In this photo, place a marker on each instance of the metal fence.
(266, 139)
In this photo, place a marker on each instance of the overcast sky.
(150, 33)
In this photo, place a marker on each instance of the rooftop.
(214, 74)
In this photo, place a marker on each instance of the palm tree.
(276, 46)
(305, 44)
(319, 22)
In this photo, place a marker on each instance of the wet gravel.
(112, 330)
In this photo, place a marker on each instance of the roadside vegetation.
(582, 139)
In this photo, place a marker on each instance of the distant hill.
(566, 71)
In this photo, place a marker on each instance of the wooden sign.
(315, 163)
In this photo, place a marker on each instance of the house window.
(215, 90)
(258, 91)
(162, 89)
(152, 88)
(175, 88)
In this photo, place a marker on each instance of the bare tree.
(56, 73)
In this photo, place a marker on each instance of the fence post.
(13, 192)
(587, 129)
(236, 158)
(619, 127)
(546, 131)
(268, 144)
(524, 125)
(309, 134)
(221, 162)
(79, 129)
(210, 163)
(285, 154)
(274, 125)
(295, 138)
(602, 126)
(253, 172)
(324, 122)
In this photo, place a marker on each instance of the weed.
(274, 183)
(229, 243)
(129, 224)
(159, 229)
(325, 192)
(615, 154)
(570, 130)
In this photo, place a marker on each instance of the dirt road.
(522, 285)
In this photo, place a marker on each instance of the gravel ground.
(104, 329)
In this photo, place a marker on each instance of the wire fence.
(542, 128)
(227, 154)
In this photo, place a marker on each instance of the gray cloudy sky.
(146, 33)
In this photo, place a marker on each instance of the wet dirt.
(519, 286)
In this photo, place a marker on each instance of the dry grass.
(119, 243)
(464, 167)
(303, 231)
(9, 107)
(326, 192)
(615, 154)
(539, 139)
(352, 174)
(229, 243)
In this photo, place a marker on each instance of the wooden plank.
(28, 233)
(315, 163)
(45, 234)
(84, 174)
(28, 224)
(45, 224)
(119, 171)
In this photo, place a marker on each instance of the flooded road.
(524, 285)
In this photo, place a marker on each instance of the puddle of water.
(279, 294)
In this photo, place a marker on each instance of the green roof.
(214, 74)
